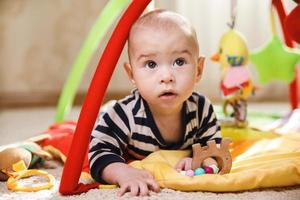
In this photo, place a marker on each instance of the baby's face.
(164, 65)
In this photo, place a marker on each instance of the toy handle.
(73, 166)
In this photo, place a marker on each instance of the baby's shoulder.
(198, 99)
(130, 99)
(121, 106)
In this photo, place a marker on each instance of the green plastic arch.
(105, 19)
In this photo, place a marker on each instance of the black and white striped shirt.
(128, 127)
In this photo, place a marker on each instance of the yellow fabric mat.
(260, 160)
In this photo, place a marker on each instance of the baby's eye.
(151, 64)
(179, 62)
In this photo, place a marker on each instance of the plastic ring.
(12, 182)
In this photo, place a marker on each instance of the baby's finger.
(134, 189)
(187, 165)
(147, 175)
(144, 191)
(180, 165)
(153, 185)
(123, 189)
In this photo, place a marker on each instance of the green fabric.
(34, 159)
(253, 115)
(274, 61)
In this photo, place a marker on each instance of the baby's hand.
(137, 182)
(184, 164)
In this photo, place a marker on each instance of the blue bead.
(199, 171)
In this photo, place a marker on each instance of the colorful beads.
(212, 169)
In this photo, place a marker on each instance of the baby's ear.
(128, 70)
(200, 65)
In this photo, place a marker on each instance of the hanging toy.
(236, 83)
(274, 60)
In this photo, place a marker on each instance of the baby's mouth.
(167, 95)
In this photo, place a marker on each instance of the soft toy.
(57, 140)
(236, 82)
(15, 163)
(275, 61)
(232, 50)
(10, 156)
(31, 153)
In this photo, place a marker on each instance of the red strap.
(294, 95)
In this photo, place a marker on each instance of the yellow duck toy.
(236, 83)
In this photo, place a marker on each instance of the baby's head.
(162, 21)
(163, 57)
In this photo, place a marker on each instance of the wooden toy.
(221, 154)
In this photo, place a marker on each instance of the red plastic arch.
(293, 87)
(292, 24)
(74, 163)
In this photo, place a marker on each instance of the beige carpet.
(292, 193)
(19, 124)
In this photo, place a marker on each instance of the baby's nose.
(166, 75)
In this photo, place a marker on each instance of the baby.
(163, 112)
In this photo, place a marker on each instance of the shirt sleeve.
(109, 140)
(209, 127)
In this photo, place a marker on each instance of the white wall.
(253, 20)
(40, 40)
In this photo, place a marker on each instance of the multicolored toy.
(221, 154)
(236, 82)
(18, 162)
(212, 169)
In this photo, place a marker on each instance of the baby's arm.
(107, 146)
(136, 181)
(208, 129)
